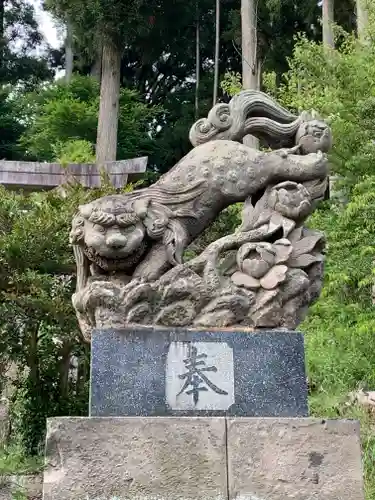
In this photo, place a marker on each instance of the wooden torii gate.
(34, 176)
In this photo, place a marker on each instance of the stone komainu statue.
(129, 248)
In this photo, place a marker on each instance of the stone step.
(210, 458)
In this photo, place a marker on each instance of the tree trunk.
(328, 20)
(32, 355)
(362, 20)
(217, 54)
(106, 142)
(69, 52)
(96, 69)
(64, 366)
(250, 78)
(2, 41)
(259, 75)
(197, 65)
(82, 372)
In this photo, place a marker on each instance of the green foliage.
(57, 114)
(37, 322)
(340, 341)
(117, 20)
(339, 85)
(231, 83)
(341, 325)
(74, 151)
(38, 328)
(62, 121)
(340, 347)
(13, 461)
(11, 128)
(172, 136)
(226, 223)
(158, 43)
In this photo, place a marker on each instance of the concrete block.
(301, 459)
(135, 458)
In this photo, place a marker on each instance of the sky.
(49, 30)
(47, 25)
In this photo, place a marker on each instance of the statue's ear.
(306, 116)
(76, 238)
(156, 220)
(76, 233)
(85, 210)
(175, 240)
(315, 115)
(83, 267)
(140, 207)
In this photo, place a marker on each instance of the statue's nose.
(116, 241)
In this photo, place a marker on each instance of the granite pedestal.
(146, 371)
(131, 458)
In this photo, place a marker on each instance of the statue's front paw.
(97, 293)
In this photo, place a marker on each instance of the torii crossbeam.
(34, 176)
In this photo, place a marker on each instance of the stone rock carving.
(129, 248)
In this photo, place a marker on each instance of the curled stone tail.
(249, 112)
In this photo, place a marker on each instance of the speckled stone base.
(146, 371)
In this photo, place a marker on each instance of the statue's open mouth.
(123, 264)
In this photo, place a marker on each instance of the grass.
(14, 462)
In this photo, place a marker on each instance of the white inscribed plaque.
(199, 376)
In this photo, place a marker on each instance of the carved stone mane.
(129, 248)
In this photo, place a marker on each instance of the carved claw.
(295, 149)
(285, 152)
